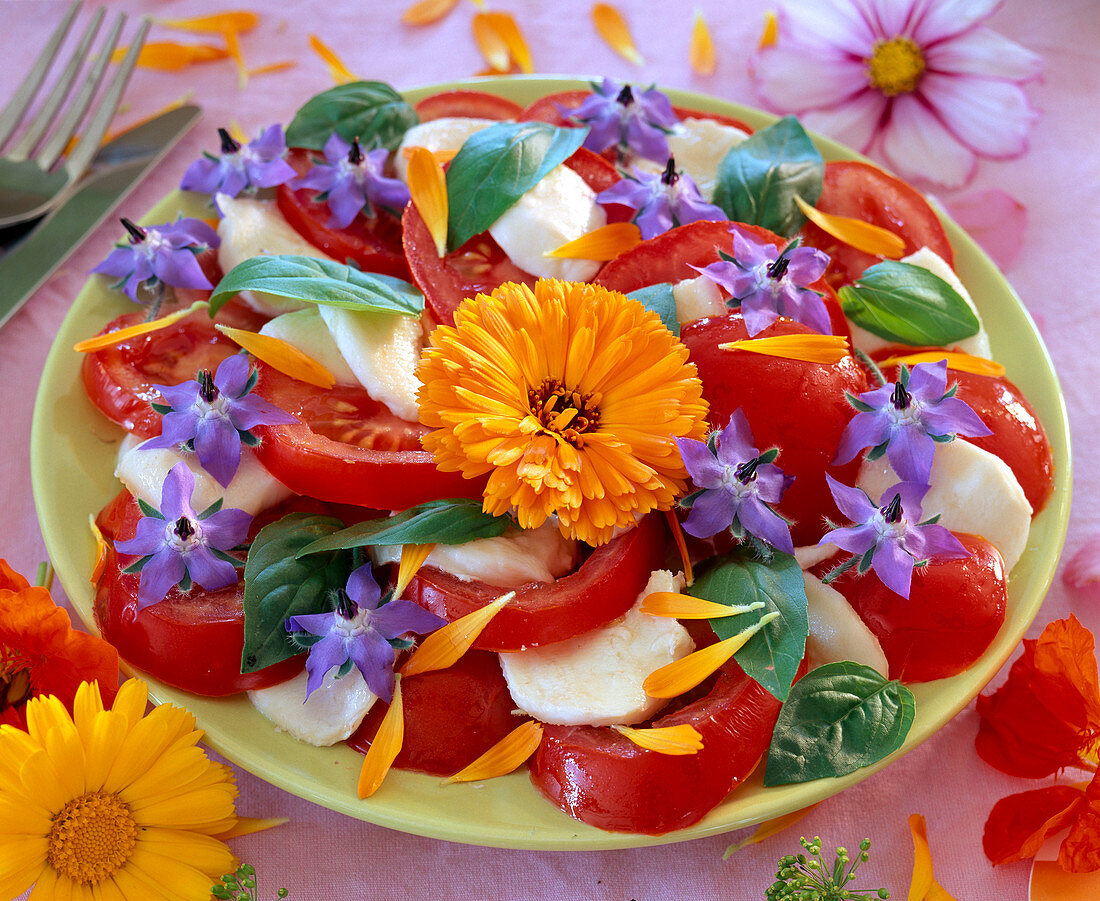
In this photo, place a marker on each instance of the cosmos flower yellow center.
(895, 66)
(92, 837)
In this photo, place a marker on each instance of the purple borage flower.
(889, 538)
(351, 181)
(617, 117)
(737, 484)
(258, 164)
(906, 418)
(361, 631)
(160, 255)
(662, 201)
(769, 283)
(213, 415)
(178, 545)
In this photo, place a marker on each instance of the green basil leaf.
(759, 178)
(326, 282)
(838, 718)
(497, 166)
(371, 111)
(278, 585)
(908, 304)
(453, 521)
(660, 299)
(773, 654)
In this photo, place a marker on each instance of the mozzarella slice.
(559, 209)
(446, 135)
(596, 678)
(836, 631)
(306, 330)
(973, 491)
(330, 714)
(697, 298)
(142, 471)
(699, 146)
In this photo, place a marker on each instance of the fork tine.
(24, 94)
(48, 112)
(97, 126)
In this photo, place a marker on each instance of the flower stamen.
(228, 144)
(580, 413)
(895, 66)
(92, 837)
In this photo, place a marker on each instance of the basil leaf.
(371, 111)
(278, 585)
(319, 281)
(497, 166)
(454, 521)
(660, 299)
(773, 654)
(906, 303)
(838, 718)
(759, 178)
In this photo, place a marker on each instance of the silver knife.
(119, 165)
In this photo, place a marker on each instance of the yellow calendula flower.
(111, 804)
(570, 397)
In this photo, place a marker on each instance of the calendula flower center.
(564, 411)
(91, 838)
(895, 66)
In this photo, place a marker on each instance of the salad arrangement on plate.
(690, 437)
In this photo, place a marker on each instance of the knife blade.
(119, 166)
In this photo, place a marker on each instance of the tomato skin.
(605, 586)
(452, 716)
(470, 104)
(603, 779)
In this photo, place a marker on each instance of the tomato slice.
(452, 716)
(605, 780)
(605, 586)
(865, 192)
(349, 448)
(545, 109)
(469, 104)
(372, 242)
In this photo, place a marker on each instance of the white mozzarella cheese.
(973, 491)
(142, 471)
(306, 330)
(446, 135)
(836, 631)
(559, 209)
(596, 678)
(697, 298)
(699, 145)
(330, 714)
(809, 555)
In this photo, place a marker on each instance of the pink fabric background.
(325, 856)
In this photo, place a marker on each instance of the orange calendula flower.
(569, 396)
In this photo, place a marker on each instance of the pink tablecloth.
(325, 856)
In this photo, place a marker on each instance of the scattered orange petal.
(506, 27)
(923, 886)
(491, 43)
(441, 156)
(340, 73)
(602, 244)
(503, 757)
(827, 349)
(1049, 882)
(100, 551)
(428, 190)
(771, 30)
(412, 558)
(675, 741)
(612, 27)
(234, 20)
(444, 646)
(233, 45)
(88, 345)
(427, 11)
(281, 354)
(681, 545)
(385, 747)
(855, 233)
(960, 362)
(249, 825)
(169, 55)
(272, 67)
(767, 829)
(683, 606)
(701, 53)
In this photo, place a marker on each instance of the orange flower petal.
(1049, 882)
(960, 362)
(234, 20)
(412, 558)
(170, 55)
(855, 233)
(503, 757)
(427, 11)
(506, 27)
(428, 189)
(681, 546)
(233, 45)
(923, 886)
(444, 646)
(675, 741)
(88, 345)
(282, 355)
(602, 244)
(770, 34)
(491, 43)
(441, 156)
(684, 606)
(767, 829)
(385, 747)
(701, 53)
(826, 349)
(100, 551)
(340, 73)
(249, 825)
(273, 67)
(612, 27)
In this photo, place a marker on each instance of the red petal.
(1019, 824)
(1065, 672)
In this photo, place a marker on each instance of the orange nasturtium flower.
(41, 653)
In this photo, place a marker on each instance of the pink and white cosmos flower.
(922, 81)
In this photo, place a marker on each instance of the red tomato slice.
(545, 109)
(349, 448)
(452, 716)
(372, 242)
(605, 586)
(865, 192)
(468, 104)
(605, 780)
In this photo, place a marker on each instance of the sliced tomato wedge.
(467, 104)
(605, 586)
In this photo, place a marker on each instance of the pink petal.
(854, 122)
(918, 145)
(947, 18)
(991, 117)
(985, 53)
(891, 18)
(794, 77)
(831, 23)
(1083, 568)
(995, 219)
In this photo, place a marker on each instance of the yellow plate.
(72, 455)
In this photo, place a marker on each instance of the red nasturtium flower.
(41, 653)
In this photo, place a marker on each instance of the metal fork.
(30, 182)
